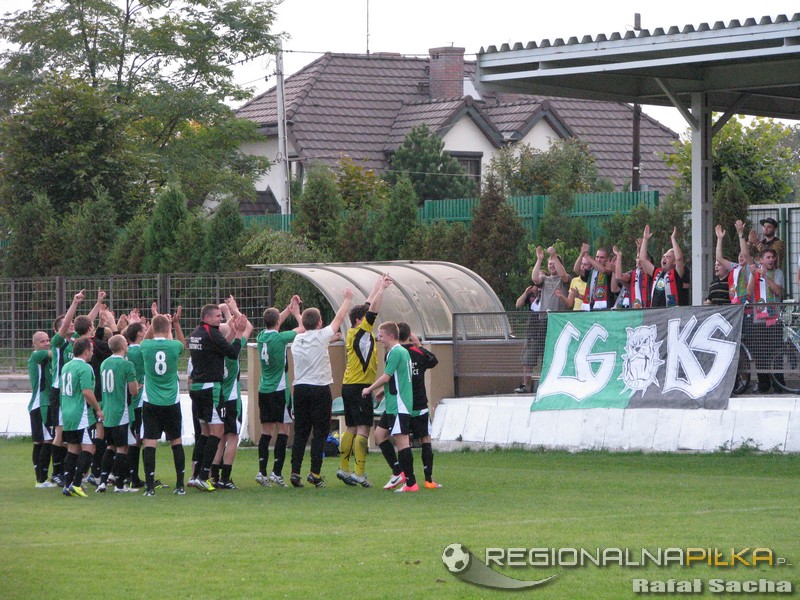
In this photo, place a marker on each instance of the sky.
(411, 27)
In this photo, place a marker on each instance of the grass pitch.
(342, 541)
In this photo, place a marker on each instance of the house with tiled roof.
(362, 106)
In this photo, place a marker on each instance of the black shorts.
(206, 407)
(358, 410)
(51, 420)
(396, 424)
(161, 419)
(419, 426)
(39, 431)
(79, 436)
(116, 436)
(272, 407)
(135, 427)
(232, 420)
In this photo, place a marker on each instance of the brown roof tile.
(362, 106)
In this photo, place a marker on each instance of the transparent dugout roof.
(425, 294)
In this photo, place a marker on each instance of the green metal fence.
(594, 209)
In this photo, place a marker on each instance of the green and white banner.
(680, 357)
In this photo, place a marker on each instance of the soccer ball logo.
(456, 558)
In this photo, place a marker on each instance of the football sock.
(214, 472)
(407, 461)
(106, 464)
(133, 462)
(37, 452)
(149, 460)
(59, 455)
(84, 462)
(212, 443)
(198, 454)
(70, 461)
(387, 448)
(263, 452)
(346, 450)
(120, 468)
(361, 450)
(427, 461)
(44, 461)
(280, 453)
(179, 458)
(97, 457)
(226, 472)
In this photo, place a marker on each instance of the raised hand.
(719, 231)
(539, 252)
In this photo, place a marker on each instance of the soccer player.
(421, 361)
(134, 334)
(77, 392)
(39, 375)
(161, 412)
(396, 421)
(273, 393)
(361, 368)
(209, 348)
(232, 397)
(312, 388)
(119, 385)
(60, 353)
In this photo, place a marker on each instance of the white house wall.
(540, 136)
(268, 148)
(465, 136)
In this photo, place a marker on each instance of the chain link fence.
(28, 305)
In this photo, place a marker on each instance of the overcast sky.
(413, 26)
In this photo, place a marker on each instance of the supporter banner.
(680, 357)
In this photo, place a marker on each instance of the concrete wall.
(506, 421)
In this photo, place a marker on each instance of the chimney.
(447, 72)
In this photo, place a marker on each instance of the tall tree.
(756, 154)
(495, 245)
(168, 64)
(223, 236)
(91, 234)
(318, 211)
(434, 174)
(161, 235)
(28, 252)
(69, 141)
(398, 220)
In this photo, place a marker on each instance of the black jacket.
(209, 349)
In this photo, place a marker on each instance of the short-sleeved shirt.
(115, 374)
(160, 357)
(548, 299)
(312, 364)
(398, 391)
(60, 354)
(135, 358)
(718, 292)
(579, 284)
(272, 355)
(230, 377)
(76, 376)
(361, 358)
(39, 375)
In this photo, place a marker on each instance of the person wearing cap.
(768, 241)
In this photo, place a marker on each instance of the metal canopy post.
(702, 208)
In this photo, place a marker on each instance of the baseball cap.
(769, 220)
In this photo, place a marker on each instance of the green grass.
(341, 542)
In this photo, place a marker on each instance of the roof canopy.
(751, 68)
(425, 294)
